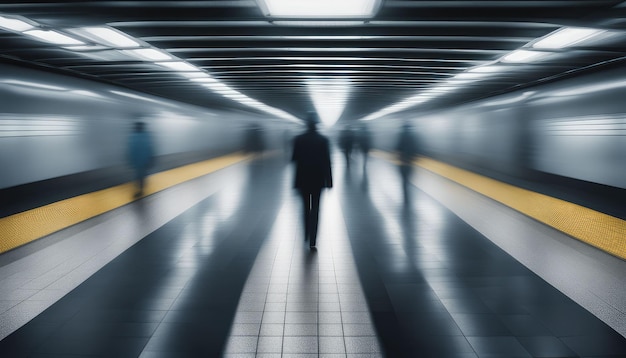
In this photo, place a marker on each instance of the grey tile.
(330, 330)
(245, 329)
(356, 317)
(248, 317)
(270, 344)
(301, 317)
(300, 345)
(272, 329)
(362, 345)
(332, 345)
(300, 329)
(356, 330)
(273, 317)
(241, 344)
(329, 317)
(275, 306)
(502, 346)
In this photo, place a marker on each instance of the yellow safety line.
(24, 227)
(603, 231)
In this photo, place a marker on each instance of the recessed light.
(523, 56)
(53, 37)
(320, 8)
(565, 37)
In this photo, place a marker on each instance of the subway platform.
(216, 266)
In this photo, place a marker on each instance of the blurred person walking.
(407, 149)
(311, 156)
(254, 142)
(140, 155)
(364, 139)
(346, 142)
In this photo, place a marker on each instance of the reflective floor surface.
(219, 267)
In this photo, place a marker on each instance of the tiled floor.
(222, 270)
(301, 301)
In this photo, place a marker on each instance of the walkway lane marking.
(22, 228)
(600, 230)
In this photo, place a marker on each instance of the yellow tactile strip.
(603, 231)
(22, 228)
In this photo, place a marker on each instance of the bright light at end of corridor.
(329, 96)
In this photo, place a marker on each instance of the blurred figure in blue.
(140, 155)
(407, 149)
(311, 156)
(346, 142)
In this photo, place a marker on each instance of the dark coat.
(311, 155)
(407, 147)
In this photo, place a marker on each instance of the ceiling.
(409, 47)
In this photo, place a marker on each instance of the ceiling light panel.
(523, 56)
(14, 24)
(327, 9)
(487, 69)
(318, 23)
(179, 66)
(566, 37)
(53, 37)
(149, 54)
(110, 37)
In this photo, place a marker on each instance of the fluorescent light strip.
(110, 37)
(468, 76)
(14, 24)
(53, 37)
(34, 85)
(318, 23)
(486, 69)
(179, 66)
(206, 79)
(130, 95)
(149, 54)
(320, 8)
(85, 48)
(566, 37)
(523, 56)
(192, 75)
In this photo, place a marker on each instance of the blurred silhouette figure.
(364, 139)
(254, 140)
(407, 148)
(311, 156)
(140, 155)
(346, 142)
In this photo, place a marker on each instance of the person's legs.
(405, 171)
(306, 211)
(314, 217)
(141, 180)
(365, 155)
